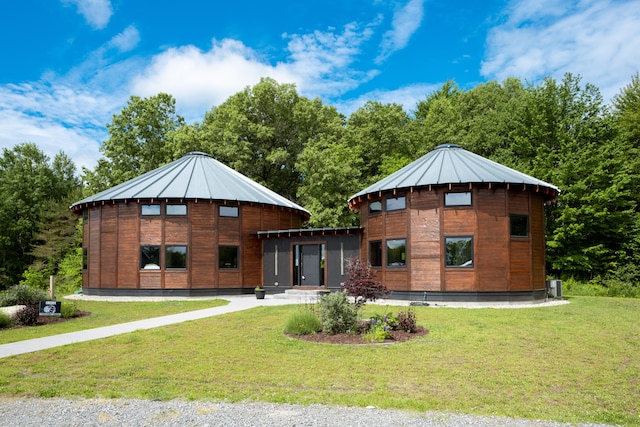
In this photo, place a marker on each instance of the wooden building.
(187, 228)
(455, 226)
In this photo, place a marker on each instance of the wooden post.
(51, 289)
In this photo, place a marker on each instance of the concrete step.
(299, 294)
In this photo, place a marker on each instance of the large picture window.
(457, 199)
(459, 251)
(375, 253)
(396, 203)
(519, 225)
(175, 257)
(150, 257)
(228, 257)
(396, 252)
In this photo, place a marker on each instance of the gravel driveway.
(16, 412)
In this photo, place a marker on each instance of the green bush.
(407, 321)
(68, 310)
(22, 295)
(379, 330)
(303, 322)
(338, 314)
(27, 316)
(5, 320)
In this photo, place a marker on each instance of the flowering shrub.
(379, 330)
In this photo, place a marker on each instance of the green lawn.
(575, 363)
(107, 313)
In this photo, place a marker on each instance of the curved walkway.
(236, 303)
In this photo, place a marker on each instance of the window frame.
(222, 214)
(446, 253)
(85, 259)
(143, 256)
(455, 205)
(168, 257)
(378, 252)
(237, 257)
(527, 225)
(375, 211)
(174, 206)
(403, 256)
(149, 206)
(397, 198)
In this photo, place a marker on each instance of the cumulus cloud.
(406, 21)
(97, 13)
(598, 40)
(407, 96)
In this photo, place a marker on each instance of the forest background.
(561, 132)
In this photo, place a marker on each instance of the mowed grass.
(107, 313)
(575, 363)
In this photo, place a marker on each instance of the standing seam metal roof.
(194, 176)
(451, 164)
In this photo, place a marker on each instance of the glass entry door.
(308, 265)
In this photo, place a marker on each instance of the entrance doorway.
(308, 265)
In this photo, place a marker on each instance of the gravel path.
(16, 412)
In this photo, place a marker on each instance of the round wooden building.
(187, 228)
(456, 226)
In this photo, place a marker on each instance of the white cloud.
(406, 21)
(97, 13)
(599, 40)
(407, 96)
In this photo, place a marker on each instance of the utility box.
(555, 287)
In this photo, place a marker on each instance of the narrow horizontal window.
(396, 252)
(396, 203)
(519, 225)
(375, 207)
(228, 257)
(229, 211)
(459, 251)
(175, 257)
(150, 210)
(178, 210)
(375, 253)
(457, 199)
(150, 257)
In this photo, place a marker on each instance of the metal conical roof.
(452, 164)
(194, 176)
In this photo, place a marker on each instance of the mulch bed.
(396, 337)
(47, 320)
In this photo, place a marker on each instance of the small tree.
(360, 283)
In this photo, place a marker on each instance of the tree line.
(561, 132)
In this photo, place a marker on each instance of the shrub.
(5, 319)
(407, 321)
(337, 314)
(22, 295)
(303, 322)
(27, 316)
(360, 284)
(379, 330)
(68, 310)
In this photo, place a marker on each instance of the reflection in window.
(150, 257)
(459, 251)
(150, 210)
(176, 210)
(175, 257)
(375, 253)
(396, 204)
(457, 199)
(396, 252)
(375, 207)
(519, 225)
(228, 257)
(229, 211)
(85, 258)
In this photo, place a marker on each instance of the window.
(457, 199)
(85, 258)
(458, 251)
(150, 257)
(375, 207)
(229, 211)
(375, 253)
(396, 203)
(519, 225)
(228, 257)
(175, 257)
(396, 252)
(176, 210)
(85, 215)
(150, 210)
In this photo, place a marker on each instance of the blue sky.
(69, 65)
